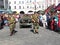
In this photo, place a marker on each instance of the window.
(30, 1)
(19, 7)
(9, 7)
(23, 7)
(27, 6)
(22, 2)
(14, 7)
(1, 7)
(34, 0)
(19, 2)
(30, 7)
(14, 2)
(9, 2)
(27, 1)
(1, 0)
(39, 6)
(42, 6)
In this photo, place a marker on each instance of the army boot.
(14, 31)
(11, 33)
(36, 31)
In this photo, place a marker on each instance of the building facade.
(51, 2)
(25, 5)
(33, 5)
(6, 4)
(1, 4)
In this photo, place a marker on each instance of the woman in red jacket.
(59, 20)
(52, 24)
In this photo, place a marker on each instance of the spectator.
(40, 20)
(44, 20)
(59, 21)
(48, 20)
(1, 21)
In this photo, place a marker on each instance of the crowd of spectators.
(50, 20)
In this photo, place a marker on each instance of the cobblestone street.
(25, 37)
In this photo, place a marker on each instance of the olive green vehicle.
(25, 20)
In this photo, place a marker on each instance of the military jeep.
(26, 21)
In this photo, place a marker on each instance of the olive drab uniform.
(35, 23)
(12, 24)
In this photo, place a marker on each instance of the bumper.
(25, 24)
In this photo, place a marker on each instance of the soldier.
(12, 23)
(35, 22)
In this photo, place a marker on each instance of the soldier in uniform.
(35, 22)
(12, 23)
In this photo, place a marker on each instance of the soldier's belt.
(13, 22)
